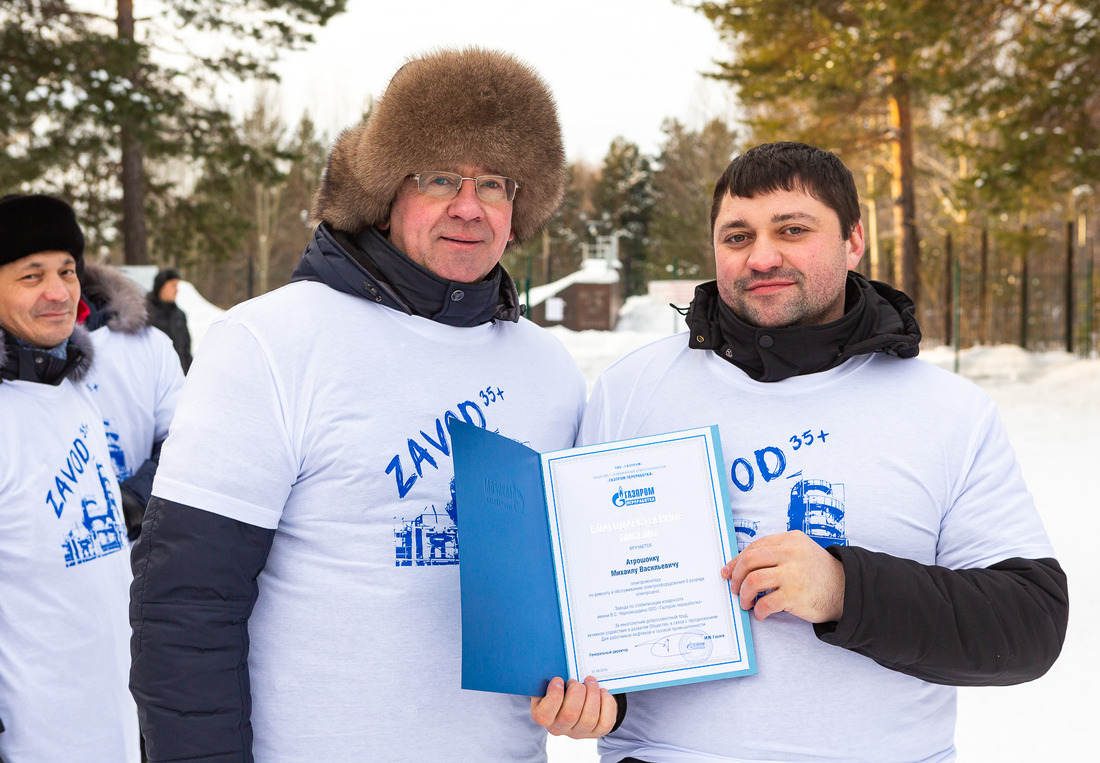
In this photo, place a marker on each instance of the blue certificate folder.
(514, 630)
(512, 639)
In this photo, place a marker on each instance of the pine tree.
(88, 104)
(1034, 118)
(848, 75)
(683, 187)
(623, 205)
(255, 211)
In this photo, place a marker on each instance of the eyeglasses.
(492, 189)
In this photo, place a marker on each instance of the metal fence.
(1039, 290)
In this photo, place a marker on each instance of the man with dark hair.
(167, 316)
(296, 580)
(890, 549)
(63, 551)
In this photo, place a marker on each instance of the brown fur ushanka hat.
(449, 108)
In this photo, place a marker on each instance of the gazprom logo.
(633, 496)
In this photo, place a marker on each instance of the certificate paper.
(601, 560)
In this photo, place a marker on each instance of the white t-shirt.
(137, 380)
(896, 456)
(64, 582)
(324, 416)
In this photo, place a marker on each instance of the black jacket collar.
(877, 318)
(23, 363)
(370, 267)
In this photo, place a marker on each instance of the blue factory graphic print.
(82, 497)
(817, 509)
(430, 536)
(815, 506)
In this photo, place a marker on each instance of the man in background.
(167, 316)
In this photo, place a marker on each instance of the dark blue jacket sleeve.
(992, 626)
(137, 489)
(194, 589)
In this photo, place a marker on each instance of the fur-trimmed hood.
(114, 300)
(31, 364)
(443, 110)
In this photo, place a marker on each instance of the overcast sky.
(616, 67)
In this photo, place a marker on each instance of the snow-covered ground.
(1050, 403)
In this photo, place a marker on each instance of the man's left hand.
(791, 573)
(575, 709)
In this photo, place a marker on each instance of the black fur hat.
(32, 224)
(447, 108)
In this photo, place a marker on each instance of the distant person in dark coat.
(167, 316)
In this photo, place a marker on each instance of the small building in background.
(588, 299)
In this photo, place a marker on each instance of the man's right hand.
(793, 573)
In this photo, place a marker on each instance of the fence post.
(1090, 309)
(983, 288)
(948, 295)
(527, 282)
(1069, 287)
(546, 255)
(957, 309)
(1024, 286)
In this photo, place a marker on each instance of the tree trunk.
(135, 245)
(906, 249)
(983, 289)
(1025, 288)
(1070, 305)
(949, 291)
(267, 207)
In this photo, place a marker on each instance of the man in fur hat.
(296, 589)
(64, 558)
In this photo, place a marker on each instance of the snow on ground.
(1050, 403)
